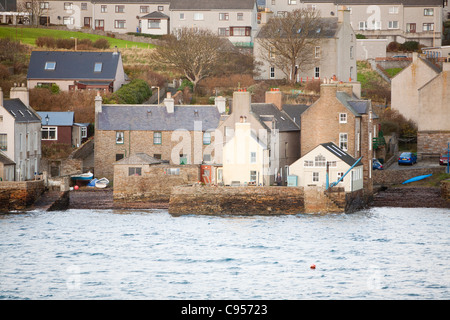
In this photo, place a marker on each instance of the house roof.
(381, 2)
(341, 154)
(5, 159)
(132, 1)
(139, 159)
(295, 111)
(19, 111)
(356, 106)
(73, 65)
(63, 118)
(155, 15)
(156, 118)
(211, 4)
(268, 111)
(328, 29)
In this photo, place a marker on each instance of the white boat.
(83, 176)
(101, 183)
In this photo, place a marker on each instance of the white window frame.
(317, 52)
(316, 72)
(119, 9)
(68, 6)
(47, 129)
(83, 131)
(154, 24)
(224, 16)
(252, 157)
(198, 16)
(342, 118)
(363, 25)
(393, 25)
(343, 141)
(292, 2)
(103, 8)
(429, 12)
(253, 175)
(315, 176)
(272, 72)
(120, 24)
(393, 10)
(428, 26)
(50, 65)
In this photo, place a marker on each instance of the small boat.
(92, 182)
(101, 183)
(417, 178)
(83, 176)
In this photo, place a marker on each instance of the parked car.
(443, 159)
(376, 165)
(407, 158)
(399, 56)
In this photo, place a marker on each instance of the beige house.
(328, 161)
(334, 56)
(20, 135)
(401, 20)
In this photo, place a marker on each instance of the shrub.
(409, 46)
(186, 83)
(136, 92)
(360, 36)
(48, 42)
(393, 46)
(101, 44)
(65, 43)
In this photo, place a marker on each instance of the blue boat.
(417, 178)
(84, 176)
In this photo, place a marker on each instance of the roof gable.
(19, 111)
(73, 65)
(264, 111)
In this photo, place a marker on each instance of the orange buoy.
(76, 187)
(313, 266)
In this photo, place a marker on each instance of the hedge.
(135, 92)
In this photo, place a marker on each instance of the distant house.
(311, 169)
(59, 127)
(7, 167)
(77, 70)
(20, 135)
(156, 23)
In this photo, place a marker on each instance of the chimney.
(1, 97)
(343, 15)
(98, 103)
(328, 90)
(221, 104)
(169, 103)
(241, 102)
(20, 92)
(345, 87)
(275, 96)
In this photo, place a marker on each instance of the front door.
(205, 172)
(87, 22)
(99, 24)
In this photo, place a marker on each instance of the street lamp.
(47, 118)
(154, 87)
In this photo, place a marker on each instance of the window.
(292, 1)
(311, 6)
(428, 27)
(393, 25)
(44, 5)
(120, 9)
(224, 32)
(119, 137)
(308, 163)
(317, 72)
(135, 171)
(157, 156)
(173, 171)
(340, 175)
(98, 67)
(206, 157)
(253, 175)
(376, 25)
(351, 52)
(143, 9)
(343, 141)
(83, 132)
(224, 16)
(363, 25)
(119, 24)
(67, 5)
(3, 142)
(68, 20)
(104, 9)
(154, 24)
(198, 16)
(157, 138)
(332, 164)
(240, 31)
(240, 16)
(342, 118)
(28, 5)
(50, 65)
(49, 133)
(160, 8)
(428, 12)
(182, 16)
(207, 138)
(272, 73)
(83, 6)
(119, 156)
(315, 177)
(317, 52)
(252, 157)
(320, 161)
(393, 10)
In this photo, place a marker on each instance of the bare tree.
(288, 42)
(35, 8)
(195, 52)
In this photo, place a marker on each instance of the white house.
(311, 169)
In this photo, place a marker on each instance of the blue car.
(376, 165)
(407, 158)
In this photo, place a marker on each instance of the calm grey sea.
(381, 253)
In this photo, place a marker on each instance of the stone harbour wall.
(445, 189)
(19, 195)
(391, 177)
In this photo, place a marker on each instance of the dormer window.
(98, 67)
(50, 65)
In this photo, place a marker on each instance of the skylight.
(98, 67)
(50, 65)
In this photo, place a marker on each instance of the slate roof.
(155, 15)
(73, 65)
(354, 105)
(211, 4)
(156, 118)
(139, 159)
(295, 111)
(341, 154)
(328, 28)
(381, 2)
(63, 118)
(20, 111)
(284, 122)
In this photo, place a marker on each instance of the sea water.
(380, 253)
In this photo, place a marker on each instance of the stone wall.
(391, 177)
(208, 200)
(154, 185)
(445, 189)
(18, 195)
(432, 143)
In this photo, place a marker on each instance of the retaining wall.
(18, 195)
(391, 177)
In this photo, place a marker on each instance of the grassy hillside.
(29, 36)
